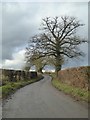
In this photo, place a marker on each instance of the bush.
(78, 77)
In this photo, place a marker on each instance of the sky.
(21, 20)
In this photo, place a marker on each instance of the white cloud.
(0, 65)
(17, 62)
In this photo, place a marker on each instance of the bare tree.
(39, 63)
(58, 39)
(27, 66)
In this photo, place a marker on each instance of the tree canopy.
(58, 39)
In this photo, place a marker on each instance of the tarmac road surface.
(42, 100)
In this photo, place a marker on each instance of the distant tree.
(39, 63)
(57, 40)
(27, 66)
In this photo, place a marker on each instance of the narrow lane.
(42, 100)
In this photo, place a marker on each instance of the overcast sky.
(21, 20)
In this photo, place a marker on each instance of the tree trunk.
(58, 68)
(40, 70)
(58, 64)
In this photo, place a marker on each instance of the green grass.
(78, 93)
(11, 87)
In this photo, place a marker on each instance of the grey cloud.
(22, 20)
(16, 30)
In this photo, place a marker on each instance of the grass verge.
(10, 88)
(77, 93)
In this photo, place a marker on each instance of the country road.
(42, 100)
